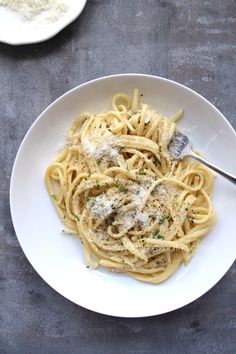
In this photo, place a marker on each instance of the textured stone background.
(189, 41)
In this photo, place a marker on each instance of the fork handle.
(223, 173)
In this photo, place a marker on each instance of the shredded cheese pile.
(50, 10)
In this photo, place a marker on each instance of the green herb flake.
(97, 182)
(87, 266)
(156, 234)
(54, 197)
(121, 188)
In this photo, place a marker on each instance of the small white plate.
(16, 30)
(59, 258)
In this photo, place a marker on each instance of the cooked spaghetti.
(116, 187)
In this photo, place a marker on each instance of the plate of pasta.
(114, 222)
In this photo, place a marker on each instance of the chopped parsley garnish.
(97, 182)
(54, 197)
(156, 234)
(77, 217)
(87, 266)
(121, 188)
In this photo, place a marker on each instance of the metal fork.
(181, 146)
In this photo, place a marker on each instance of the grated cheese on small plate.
(33, 21)
(50, 9)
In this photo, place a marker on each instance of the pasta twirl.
(115, 185)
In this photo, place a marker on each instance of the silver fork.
(181, 146)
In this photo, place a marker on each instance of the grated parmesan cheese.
(140, 195)
(105, 204)
(143, 218)
(50, 10)
(104, 148)
(166, 193)
(102, 206)
(127, 220)
(140, 190)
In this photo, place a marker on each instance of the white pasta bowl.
(59, 260)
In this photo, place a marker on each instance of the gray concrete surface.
(191, 41)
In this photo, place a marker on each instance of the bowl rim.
(88, 83)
